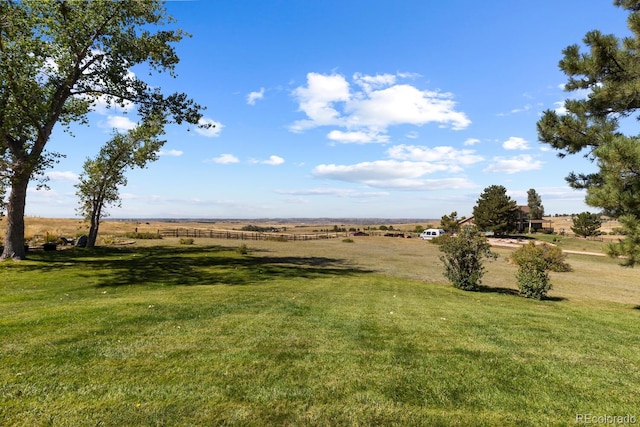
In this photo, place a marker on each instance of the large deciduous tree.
(57, 60)
(495, 211)
(609, 72)
(102, 176)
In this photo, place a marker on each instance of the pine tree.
(610, 74)
(449, 223)
(586, 224)
(495, 211)
(534, 201)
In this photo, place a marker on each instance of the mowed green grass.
(308, 333)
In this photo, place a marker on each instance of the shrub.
(533, 263)
(533, 279)
(257, 228)
(243, 249)
(142, 236)
(50, 238)
(462, 258)
(347, 240)
(186, 241)
(277, 239)
(555, 260)
(438, 240)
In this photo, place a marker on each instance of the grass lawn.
(308, 333)
(573, 243)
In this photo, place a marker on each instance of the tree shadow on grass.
(497, 290)
(187, 266)
(513, 292)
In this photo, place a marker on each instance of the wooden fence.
(246, 235)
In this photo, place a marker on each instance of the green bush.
(277, 239)
(462, 258)
(555, 260)
(438, 240)
(347, 240)
(257, 228)
(186, 241)
(243, 249)
(142, 236)
(533, 280)
(533, 263)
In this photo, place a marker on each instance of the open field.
(65, 226)
(71, 227)
(320, 332)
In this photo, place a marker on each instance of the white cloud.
(118, 122)
(405, 169)
(376, 171)
(444, 155)
(391, 174)
(369, 83)
(470, 141)
(225, 159)
(105, 106)
(376, 103)
(255, 96)
(405, 104)
(358, 137)
(520, 110)
(338, 192)
(559, 108)
(172, 153)
(272, 161)
(513, 165)
(317, 100)
(516, 143)
(62, 176)
(211, 132)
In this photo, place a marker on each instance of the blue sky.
(404, 109)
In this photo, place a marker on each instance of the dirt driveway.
(516, 243)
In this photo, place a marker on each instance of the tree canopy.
(534, 202)
(102, 176)
(450, 223)
(495, 211)
(586, 224)
(609, 72)
(57, 61)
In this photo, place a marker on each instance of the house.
(522, 223)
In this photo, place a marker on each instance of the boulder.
(82, 241)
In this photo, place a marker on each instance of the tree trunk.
(14, 237)
(93, 230)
